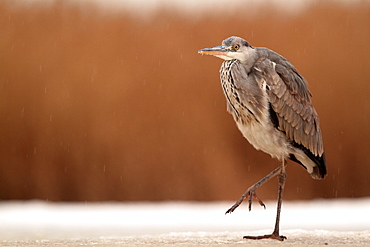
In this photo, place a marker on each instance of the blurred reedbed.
(98, 105)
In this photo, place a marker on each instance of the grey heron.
(271, 105)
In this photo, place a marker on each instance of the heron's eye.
(236, 47)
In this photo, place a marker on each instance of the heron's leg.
(275, 234)
(251, 191)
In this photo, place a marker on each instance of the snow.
(37, 223)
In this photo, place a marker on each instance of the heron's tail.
(314, 164)
(319, 171)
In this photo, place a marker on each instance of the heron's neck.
(250, 58)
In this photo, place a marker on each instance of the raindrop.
(299, 190)
(22, 112)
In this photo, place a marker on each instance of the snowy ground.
(309, 223)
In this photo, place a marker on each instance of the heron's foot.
(250, 193)
(271, 236)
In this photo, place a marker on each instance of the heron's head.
(231, 48)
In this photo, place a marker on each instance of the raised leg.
(275, 234)
(251, 191)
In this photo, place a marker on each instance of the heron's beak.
(216, 50)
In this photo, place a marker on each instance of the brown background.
(100, 105)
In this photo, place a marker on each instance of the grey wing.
(290, 100)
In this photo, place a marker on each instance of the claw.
(251, 195)
(250, 200)
(230, 210)
(260, 201)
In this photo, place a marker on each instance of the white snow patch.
(177, 221)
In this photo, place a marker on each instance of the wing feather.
(290, 99)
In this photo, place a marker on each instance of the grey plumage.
(271, 105)
(264, 79)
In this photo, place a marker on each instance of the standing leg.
(275, 234)
(281, 178)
